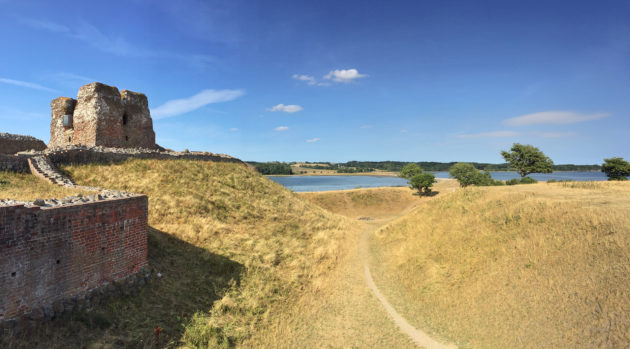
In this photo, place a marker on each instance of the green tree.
(617, 169)
(527, 159)
(410, 170)
(465, 173)
(422, 182)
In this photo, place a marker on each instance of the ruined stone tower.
(102, 116)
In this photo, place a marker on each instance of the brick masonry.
(61, 254)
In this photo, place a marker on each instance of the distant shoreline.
(381, 174)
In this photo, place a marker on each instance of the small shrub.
(513, 181)
(528, 180)
(553, 180)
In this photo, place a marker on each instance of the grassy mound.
(372, 202)
(26, 187)
(543, 265)
(233, 247)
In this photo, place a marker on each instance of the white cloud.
(234, 129)
(552, 117)
(366, 126)
(291, 108)
(281, 128)
(312, 140)
(495, 134)
(184, 105)
(309, 79)
(26, 84)
(344, 75)
(403, 131)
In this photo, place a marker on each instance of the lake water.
(323, 183)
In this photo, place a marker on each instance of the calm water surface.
(323, 183)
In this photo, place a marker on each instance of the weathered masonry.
(102, 116)
(11, 144)
(53, 257)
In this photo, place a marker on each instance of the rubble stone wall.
(58, 254)
(11, 144)
(103, 116)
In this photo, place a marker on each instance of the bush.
(467, 175)
(524, 180)
(422, 182)
(528, 180)
(513, 181)
(617, 169)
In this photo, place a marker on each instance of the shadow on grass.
(430, 194)
(192, 280)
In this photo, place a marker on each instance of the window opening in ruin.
(58, 261)
(69, 139)
(125, 119)
(127, 138)
(13, 274)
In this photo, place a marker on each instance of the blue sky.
(336, 80)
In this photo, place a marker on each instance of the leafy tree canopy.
(422, 182)
(527, 159)
(410, 170)
(617, 169)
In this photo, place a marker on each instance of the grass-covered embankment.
(26, 187)
(543, 265)
(234, 250)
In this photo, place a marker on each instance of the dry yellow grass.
(527, 266)
(26, 187)
(235, 250)
(372, 202)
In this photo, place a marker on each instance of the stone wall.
(52, 255)
(102, 116)
(79, 155)
(11, 144)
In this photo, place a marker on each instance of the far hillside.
(537, 266)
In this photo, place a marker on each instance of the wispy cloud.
(344, 75)
(291, 108)
(403, 131)
(26, 84)
(494, 134)
(68, 79)
(117, 45)
(45, 25)
(554, 134)
(552, 117)
(309, 79)
(281, 128)
(203, 98)
(234, 129)
(366, 126)
(312, 140)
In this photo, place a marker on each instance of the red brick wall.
(49, 254)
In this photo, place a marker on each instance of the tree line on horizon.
(284, 168)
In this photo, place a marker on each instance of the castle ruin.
(102, 116)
